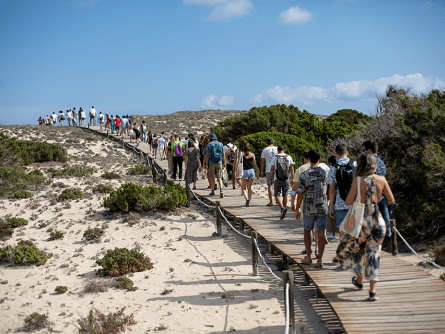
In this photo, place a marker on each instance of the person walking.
(75, 116)
(80, 116)
(266, 162)
(202, 148)
(83, 117)
(229, 150)
(191, 161)
(69, 117)
(61, 118)
(340, 180)
(249, 169)
(112, 122)
(239, 164)
(332, 223)
(215, 161)
(150, 141)
(101, 120)
(282, 166)
(161, 147)
(155, 144)
(313, 188)
(362, 254)
(177, 158)
(137, 133)
(144, 132)
(92, 116)
(117, 125)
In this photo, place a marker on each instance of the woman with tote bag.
(238, 165)
(361, 254)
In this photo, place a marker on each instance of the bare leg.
(270, 193)
(308, 243)
(243, 188)
(249, 188)
(321, 244)
(279, 202)
(212, 183)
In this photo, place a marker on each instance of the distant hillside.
(183, 122)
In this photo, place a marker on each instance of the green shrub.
(70, 193)
(110, 175)
(27, 152)
(14, 179)
(36, 321)
(61, 289)
(16, 222)
(349, 116)
(93, 233)
(102, 188)
(78, 171)
(125, 283)
(281, 266)
(442, 277)
(98, 323)
(438, 254)
(56, 235)
(121, 261)
(22, 194)
(136, 197)
(140, 169)
(24, 254)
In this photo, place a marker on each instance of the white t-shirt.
(161, 142)
(300, 170)
(324, 166)
(93, 112)
(274, 162)
(186, 142)
(226, 150)
(54, 117)
(268, 153)
(69, 114)
(101, 117)
(82, 114)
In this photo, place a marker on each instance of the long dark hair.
(205, 142)
(246, 147)
(150, 135)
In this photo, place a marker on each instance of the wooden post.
(307, 281)
(165, 177)
(318, 292)
(254, 236)
(288, 277)
(284, 259)
(218, 219)
(187, 191)
(394, 246)
(154, 172)
(241, 224)
(270, 249)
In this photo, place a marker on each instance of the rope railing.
(244, 235)
(264, 261)
(412, 250)
(212, 207)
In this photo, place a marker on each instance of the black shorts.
(138, 135)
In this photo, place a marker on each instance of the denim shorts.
(249, 174)
(340, 216)
(280, 186)
(321, 221)
(268, 179)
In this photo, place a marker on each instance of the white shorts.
(131, 133)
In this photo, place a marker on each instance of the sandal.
(326, 241)
(306, 260)
(320, 265)
(335, 259)
(269, 204)
(356, 284)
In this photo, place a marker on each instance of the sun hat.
(213, 136)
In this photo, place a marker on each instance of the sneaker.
(304, 252)
(283, 213)
(180, 179)
(356, 284)
(316, 251)
(221, 194)
(212, 193)
(332, 238)
(373, 296)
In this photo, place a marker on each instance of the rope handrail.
(212, 207)
(412, 250)
(264, 261)
(244, 235)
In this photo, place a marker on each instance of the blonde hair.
(366, 164)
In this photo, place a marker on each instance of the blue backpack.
(217, 153)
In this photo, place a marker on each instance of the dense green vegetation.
(67, 171)
(70, 193)
(349, 116)
(14, 180)
(297, 130)
(121, 261)
(25, 253)
(25, 152)
(6, 226)
(136, 197)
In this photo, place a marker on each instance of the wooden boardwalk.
(411, 300)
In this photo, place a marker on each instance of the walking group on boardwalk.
(349, 198)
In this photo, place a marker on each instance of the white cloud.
(84, 3)
(213, 101)
(295, 15)
(362, 90)
(224, 9)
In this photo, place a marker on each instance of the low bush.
(78, 171)
(138, 198)
(36, 321)
(98, 323)
(102, 188)
(121, 261)
(16, 222)
(24, 254)
(110, 175)
(438, 254)
(5, 231)
(61, 289)
(99, 285)
(56, 235)
(14, 179)
(70, 193)
(140, 169)
(22, 194)
(442, 277)
(27, 152)
(281, 265)
(93, 233)
(125, 283)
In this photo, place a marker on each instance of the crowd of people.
(321, 195)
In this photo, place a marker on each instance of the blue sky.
(162, 56)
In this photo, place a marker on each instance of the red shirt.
(118, 121)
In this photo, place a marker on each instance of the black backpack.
(282, 167)
(344, 176)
